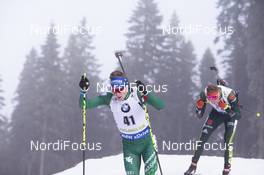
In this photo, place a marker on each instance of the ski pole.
(119, 56)
(219, 81)
(84, 127)
(153, 140)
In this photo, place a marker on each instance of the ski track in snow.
(171, 165)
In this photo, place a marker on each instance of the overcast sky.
(18, 18)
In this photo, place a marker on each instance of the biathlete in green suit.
(128, 106)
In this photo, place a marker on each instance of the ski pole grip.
(118, 54)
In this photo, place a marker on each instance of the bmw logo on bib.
(125, 108)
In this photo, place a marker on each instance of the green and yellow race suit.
(131, 119)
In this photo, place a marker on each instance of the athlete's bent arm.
(154, 101)
(96, 101)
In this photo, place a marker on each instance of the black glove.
(199, 113)
(84, 83)
(231, 113)
(141, 87)
(221, 82)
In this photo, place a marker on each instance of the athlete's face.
(214, 97)
(120, 93)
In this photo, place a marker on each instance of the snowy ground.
(171, 165)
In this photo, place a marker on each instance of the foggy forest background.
(47, 95)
